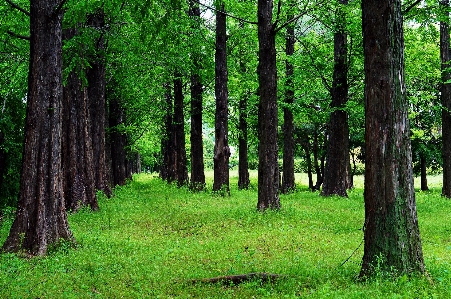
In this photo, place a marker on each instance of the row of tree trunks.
(197, 149)
(41, 218)
(337, 163)
(221, 149)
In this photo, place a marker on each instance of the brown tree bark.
(337, 161)
(97, 106)
(445, 95)
(196, 139)
(288, 180)
(243, 163)
(268, 168)
(118, 141)
(179, 158)
(41, 219)
(391, 233)
(221, 150)
(77, 153)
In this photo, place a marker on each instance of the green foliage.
(151, 239)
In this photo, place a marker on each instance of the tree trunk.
(179, 160)
(391, 233)
(221, 150)
(317, 162)
(288, 180)
(97, 107)
(118, 141)
(243, 162)
(445, 94)
(337, 163)
(424, 179)
(77, 153)
(197, 146)
(41, 219)
(166, 139)
(268, 168)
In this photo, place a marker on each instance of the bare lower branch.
(405, 11)
(18, 35)
(14, 5)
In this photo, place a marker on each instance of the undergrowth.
(152, 239)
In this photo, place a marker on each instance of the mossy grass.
(151, 240)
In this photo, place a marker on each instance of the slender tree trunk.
(166, 139)
(288, 180)
(337, 163)
(197, 146)
(179, 162)
(424, 178)
(221, 150)
(445, 94)
(268, 166)
(118, 141)
(41, 219)
(391, 233)
(243, 163)
(97, 106)
(77, 153)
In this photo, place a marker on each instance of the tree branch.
(14, 5)
(405, 11)
(59, 7)
(227, 14)
(279, 4)
(18, 35)
(325, 83)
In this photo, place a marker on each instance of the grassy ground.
(151, 239)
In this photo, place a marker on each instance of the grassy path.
(151, 239)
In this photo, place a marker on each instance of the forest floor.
(153, 240)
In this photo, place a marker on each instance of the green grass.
(151, 239)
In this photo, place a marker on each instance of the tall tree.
(337, 159)
(445, 94)
(197, 149)
(41, 219)
(392, 237)
(221, 150)
(288, 180)
(268, 168)
(97, 102)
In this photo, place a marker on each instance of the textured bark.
(196, 139)
(445, 94)
(221, 150)
(268, 168)
(77, 153)
(97, 107)
(337, 161)
(391, 237)
(41, 219)
(179, 158)
(118, 142)
(288, 180)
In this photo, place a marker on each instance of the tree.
(445, 94)
(337, 159)
(268, 168)
(41, 219)
(391, 233)
(221, 150)
(197, 152)
(179, 159)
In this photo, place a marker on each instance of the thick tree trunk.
(97, 107)
(118, 142)
(445, 94)
(424, 179)
(197, 147)
(337, 163)
(77, 154)
(268, 168)
(179, 160)
(221, 150)
(41, 219)
(288, 180)
(391, 237)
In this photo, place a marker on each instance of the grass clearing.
(151, 239)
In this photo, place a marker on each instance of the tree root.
(240, 278)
